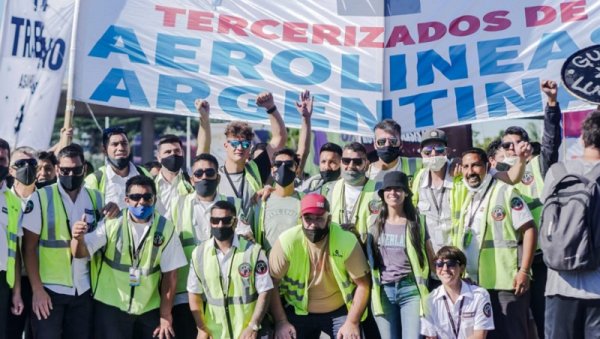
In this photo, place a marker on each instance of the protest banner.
(422, 63)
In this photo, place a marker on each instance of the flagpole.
(70, 105)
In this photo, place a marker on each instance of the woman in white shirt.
(456, 309)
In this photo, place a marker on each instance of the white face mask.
(511, 161)
(484, 183)
(435, 163)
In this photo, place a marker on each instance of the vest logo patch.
(158, 239)
(487, 310)
(244, 269)
(28, 207)
(261, 267)
(337, 253)
(527, 178)
(516, 204)
(375, 206)
(498, 213)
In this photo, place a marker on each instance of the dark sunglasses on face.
(429, 149)
(24, 162)
(209, 172)
(450, 263)
(393, 142)
(286, 163)
(226, 220)
(236, 143)
(137, 196)
(356, 161)
(507, 145)
(76, 171)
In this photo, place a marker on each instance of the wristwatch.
(254, 327)
(272, 109)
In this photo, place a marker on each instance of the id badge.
(468, 237)
(134, 276)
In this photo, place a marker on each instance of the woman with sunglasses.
(397, 249)
(456, 309)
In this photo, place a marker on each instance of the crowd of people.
(435, 247)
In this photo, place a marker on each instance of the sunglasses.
(507, 145)
(137, 196)
(450, 263)
(427, 150)
(236, 143)
(286, 163)
(209, 172)
(225, 220)
(76, 171)
(356, 161)
(393, 142)
(25, 162)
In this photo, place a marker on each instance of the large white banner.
(33, 52)
(422, 62)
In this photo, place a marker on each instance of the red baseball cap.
(314, 203)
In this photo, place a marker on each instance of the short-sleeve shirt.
(324, 294)
(519, 216)
(262, 280)
(434, 204)
(281, 214)
(167, 191)
(114, 190)
(475, 314)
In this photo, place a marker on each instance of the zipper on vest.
(131, 298)
(226, 303)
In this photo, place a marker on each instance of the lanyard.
(474, 212)
(455, 327)
(240, 194)
(438, 205)
(231, 258)
(348, 217)
(135, 252)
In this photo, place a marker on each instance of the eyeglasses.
(225, 220)
(76, 171)
(209, 172)
(25, 162)
(286, 163)
(137, 196)
(356, 161)
(427, 150)
(507, 145)
(393, 142)
(450, 263)
(236, 143)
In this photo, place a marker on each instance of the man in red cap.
(321, 273)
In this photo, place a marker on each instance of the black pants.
(538, 286)
(184, 324)
(112, 323)
(511, 315)
(70, 318)
(570, 318)
(5, 302)
(17, 324)
(311, 325)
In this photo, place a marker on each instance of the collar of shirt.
(67, 199)
(110, 173)
(235, 243)
(465, 292)
(160, 180)
(448, 180)
(23, 199)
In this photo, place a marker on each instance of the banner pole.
(70, 104)
(188, 145)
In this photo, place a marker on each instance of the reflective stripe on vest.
(367, 197)
(13, 204)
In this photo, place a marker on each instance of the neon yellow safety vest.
(409, 166)
(227, 317)
(183, 186)
(13, 206)
(294, 285)
(259, 226)
(113, 286)
(55, 235)
(97, 180)
(182, 217)
(531, 187)
(457, 196)
(421, 273)
(498, 261)
(368, 202)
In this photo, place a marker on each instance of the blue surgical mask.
(141, 211)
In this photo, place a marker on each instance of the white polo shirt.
(114, 190)
(167, 191)
(475, 314)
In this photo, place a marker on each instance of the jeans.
(570, 318)
(401, 308)
(311, 325)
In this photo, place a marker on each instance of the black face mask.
(173, 162)
(222, 233)
(315, 235)
(42, 184)
(70, 182)
(120, 163)
(501, 167)
(206, 187)
(388, 154)
(284, 176)
(26, 175)
(3, 172)
(329, 175)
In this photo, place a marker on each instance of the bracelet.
(272, 109)
(526, 273)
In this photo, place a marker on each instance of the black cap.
(394, 179)
(434, 134)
